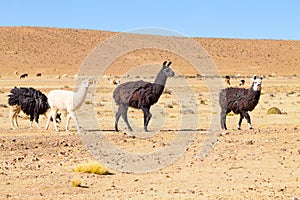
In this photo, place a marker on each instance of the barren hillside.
(55, 51)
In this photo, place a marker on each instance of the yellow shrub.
(93, 167)
(274, 110)
(76, 183)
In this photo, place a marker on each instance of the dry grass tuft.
(76, 183)
(93, 167)
(203, 102)
(274, 110)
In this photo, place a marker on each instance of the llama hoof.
(239, 128)
(251, 128)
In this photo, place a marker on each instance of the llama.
(140, 95)
(242, 82)
(68, 101)
(114, 82)
(240, 101)
(31, 101)
(227, 80)
(23, 76)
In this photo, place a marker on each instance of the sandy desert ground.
(263, 163)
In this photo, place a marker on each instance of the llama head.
(168, 72)
(257, 81)
(86, 82)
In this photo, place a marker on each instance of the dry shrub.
(170, 105)
(274, 110)
(2, 105)
(93, 167)
(202, 101)
(76, 182)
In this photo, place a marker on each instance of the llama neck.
(253, 92)
(161, 79)
(159, 83)
(253, 98)
(79, 96)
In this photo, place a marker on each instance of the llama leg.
(124, 116)
(247, 116)
(73, 116)
(48, 120)
(240, 121)
(53, 117)
(31, 120)
(68, 120)
(118, 115)
(36, 119)
(12, 114)
(52, 114)
(223, 119)
(147, 117)
(15, 117)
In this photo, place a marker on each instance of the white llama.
(68, 101)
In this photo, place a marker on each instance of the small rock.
(249, 142)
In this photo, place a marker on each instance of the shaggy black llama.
(141, 95)
(31, 101)
(240, 101)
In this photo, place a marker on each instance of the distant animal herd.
(136, 94)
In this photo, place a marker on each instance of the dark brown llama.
(140, 95)
(23, 76)
(240, 101)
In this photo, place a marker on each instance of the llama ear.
(261, 77)
(254, 77)
(164, 64)
(169, 63)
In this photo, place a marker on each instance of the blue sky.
(259, 19)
